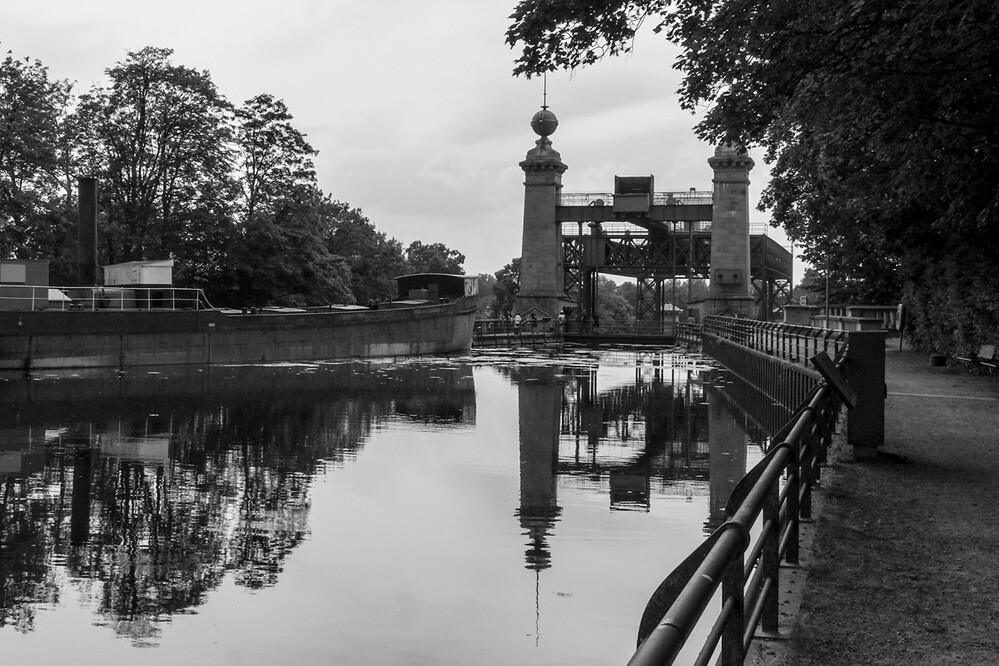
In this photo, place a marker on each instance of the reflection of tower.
(79, 524)
(540, 406)
(726, 455)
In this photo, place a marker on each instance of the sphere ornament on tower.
(544, 122)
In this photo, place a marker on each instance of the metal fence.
(499, 332)
(776, 492)
(789, 342)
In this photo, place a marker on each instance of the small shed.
(157, 273)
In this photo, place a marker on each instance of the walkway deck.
(902, 568)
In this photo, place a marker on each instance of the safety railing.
(45, 297)
(639, 327)
(495, 332)
(776, 495)
(785, 382)
(505, 332)
(790, 342)
(689, 198)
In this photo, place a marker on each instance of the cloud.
(412, 105)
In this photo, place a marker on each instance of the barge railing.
(32, 298)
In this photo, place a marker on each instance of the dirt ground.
(904, 567)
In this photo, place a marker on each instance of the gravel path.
(904, 566)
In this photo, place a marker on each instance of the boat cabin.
(436, 286)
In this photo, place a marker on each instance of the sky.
(412, 106)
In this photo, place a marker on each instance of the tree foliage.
(505, 288)
(434, 258)
(284, 257)
(374, 258)
(274, 155)
(880, 117)
(229, 192)
(154, 137)
(33, 111)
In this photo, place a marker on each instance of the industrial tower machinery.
(656, 237)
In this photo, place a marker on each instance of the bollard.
(865, 370)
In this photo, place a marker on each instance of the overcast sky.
(411, 105)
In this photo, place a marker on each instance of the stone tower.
(542, 290)
(730, 290)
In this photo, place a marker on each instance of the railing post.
(770, 556)
(807, 467)
(792, 509)
(733, 651)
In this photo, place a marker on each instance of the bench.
(985, 358)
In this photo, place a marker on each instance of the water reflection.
(672, 425)
(539, 400)
(150, 487)
(142, 494)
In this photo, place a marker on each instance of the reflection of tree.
(25, 578)
(154, 490)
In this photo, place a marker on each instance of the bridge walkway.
(902, 566)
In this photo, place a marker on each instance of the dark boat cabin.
(436, 286)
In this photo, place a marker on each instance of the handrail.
(503, 331)
(790, 342)
(131, 298)
(749, 583)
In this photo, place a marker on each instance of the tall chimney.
(87, 231)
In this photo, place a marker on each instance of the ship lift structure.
(656, 238)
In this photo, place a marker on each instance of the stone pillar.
(542, 288)
(731, 286)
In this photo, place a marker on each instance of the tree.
(613, 305)
(881, 120)
(505, 288)
(274, 156)
(157, 138)
(434, 258)
(283, 257)
(486, 297)
(848, 287)
(32, 117)
(374, 259)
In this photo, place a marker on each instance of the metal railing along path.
(776, 493)
(790, 342)
(502, 332)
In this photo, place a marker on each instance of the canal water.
(496, 508)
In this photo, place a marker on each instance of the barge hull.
(68, 339)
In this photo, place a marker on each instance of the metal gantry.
(671, 241)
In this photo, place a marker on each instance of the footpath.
(901, 563)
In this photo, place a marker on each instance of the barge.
(43, 327)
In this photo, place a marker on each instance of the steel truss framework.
(678, 245)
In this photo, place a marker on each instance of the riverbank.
(900, 563)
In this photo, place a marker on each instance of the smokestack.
(87, 231)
